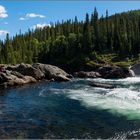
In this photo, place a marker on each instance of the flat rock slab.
(102, 85)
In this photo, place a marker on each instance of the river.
(72, 110)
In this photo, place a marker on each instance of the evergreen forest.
(75, 45)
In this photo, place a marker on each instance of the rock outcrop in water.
(25, 73)
(107, 72)
(102, 85)
(90, 74)
(115, 72)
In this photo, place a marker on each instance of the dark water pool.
(71, 110)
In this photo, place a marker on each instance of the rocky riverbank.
(20, 74)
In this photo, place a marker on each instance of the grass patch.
(111, 59)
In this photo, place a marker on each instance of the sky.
(16, 15)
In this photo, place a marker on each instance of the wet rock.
(102, 85)
(83, 74)
(115, 72)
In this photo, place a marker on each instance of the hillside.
(78, 45)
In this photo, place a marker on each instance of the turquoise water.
(71, 110)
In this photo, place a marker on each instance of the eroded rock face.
(83, 74)
(115, 72)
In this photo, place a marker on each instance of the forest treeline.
(74, 42)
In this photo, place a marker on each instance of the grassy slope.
(111, 59)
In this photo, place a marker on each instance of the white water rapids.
(123, 100)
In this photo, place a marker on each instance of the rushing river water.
(72, 110)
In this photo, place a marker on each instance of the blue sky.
(29, 14)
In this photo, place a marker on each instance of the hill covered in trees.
(76, 45)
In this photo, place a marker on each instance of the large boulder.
(90, 74)
(9, 78)
(52, 72)
(136, 68)
(40, 71)
(27, 70)
(115, 72)
(25, 73)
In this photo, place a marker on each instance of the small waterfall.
(132, 73)
(136, 69)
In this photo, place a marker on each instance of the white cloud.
(21, 18)
(3, 32)
(3, 12)
(31, 15)
(41, 25)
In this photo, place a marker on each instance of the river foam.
(119, 101)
